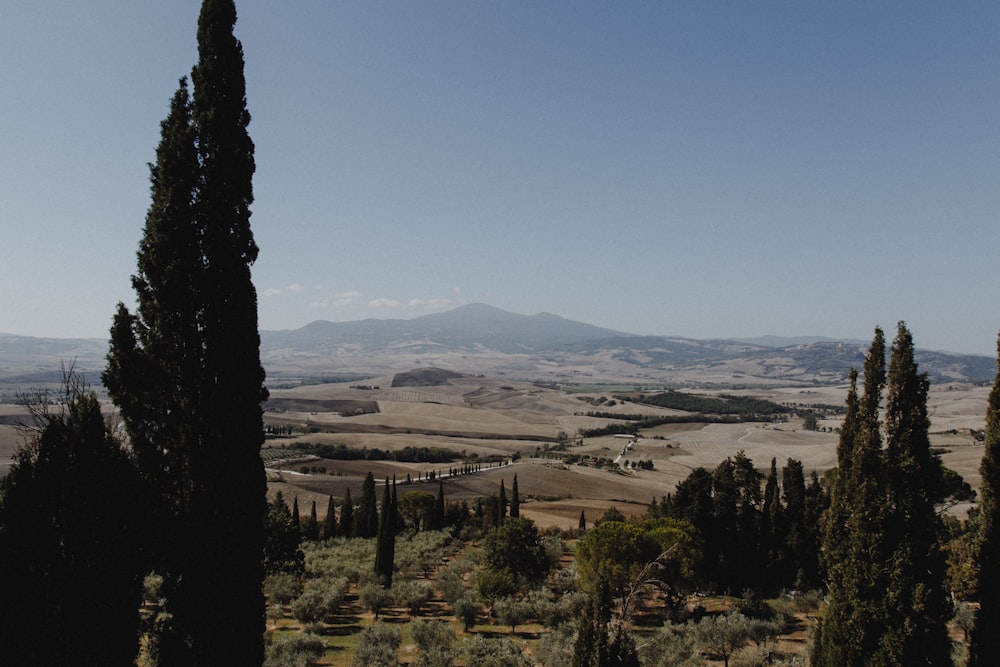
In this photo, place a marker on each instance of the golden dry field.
(483, 417)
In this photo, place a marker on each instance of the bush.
(282, 587)
(295, 651)
(377, 647)
(502, 652)
(467, 611)
(319, 599)
(411, 594)
(555, 649)
(672, 646)
(375, 598)
(435, 640)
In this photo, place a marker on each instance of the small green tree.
(514, 547)
(378, 646)
(435, 640)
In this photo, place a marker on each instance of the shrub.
(377, 647)
(435, 640)
(295, 651)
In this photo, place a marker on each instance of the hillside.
(481, 339)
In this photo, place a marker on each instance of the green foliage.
(745, 406)
(300, 650)
(411, 594)
(385, 546)
(985, 638)
(467, 611)
(888, 604)
(415, 508)
(514, 548)
(185, 369)
(494, 652)
(555, 649)
(281, 539)
(319, 599)
(512, 611)
(673, 646)
(375, 598)
(435, 640)
(377, 647)
(70, 552)
(341, 452)
(282, 587)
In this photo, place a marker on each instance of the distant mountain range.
(481, 338)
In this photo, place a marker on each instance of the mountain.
(474, 327)
(478, 338)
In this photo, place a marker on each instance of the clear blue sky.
(679, 168)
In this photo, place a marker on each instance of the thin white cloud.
(275, 291)
(384, 303)
(346, 298)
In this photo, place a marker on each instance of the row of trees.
(883, 548)
(756, 534)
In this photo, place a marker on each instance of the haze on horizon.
(702, 170)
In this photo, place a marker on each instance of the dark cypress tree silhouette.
(296, 518)
(436, 519)
(515, 499)
(772, 538)
(852, 549)
(502, 512)
(70, 551)
(385, 545)
(347, 515)
(330, 521)
(915, 600)
(282, 539)
(799, 547)
(185, 369)
(310, 527)
(984, 646)
(366, 519)
(582, 527)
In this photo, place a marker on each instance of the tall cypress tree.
(385, 545)
(852, 551)
(515, 499)
(984, 646)
(229, 507)
(915, 599)
(347, 515)
(366, 518)
(503, 503)
(185, 369)
(330, 521)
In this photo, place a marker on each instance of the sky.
(699, 169)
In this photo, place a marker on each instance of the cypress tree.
(852, 549)
(347, 515)
(502, 512)
(793, 488)
(436, 519)
(330, 521)
(366, 519)
(582, 526)
(296, 519)
(310, 527)
(772, 541)
(915, 599)
(185, 369)
(385, 546)
(984, 646)
(515, 499)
